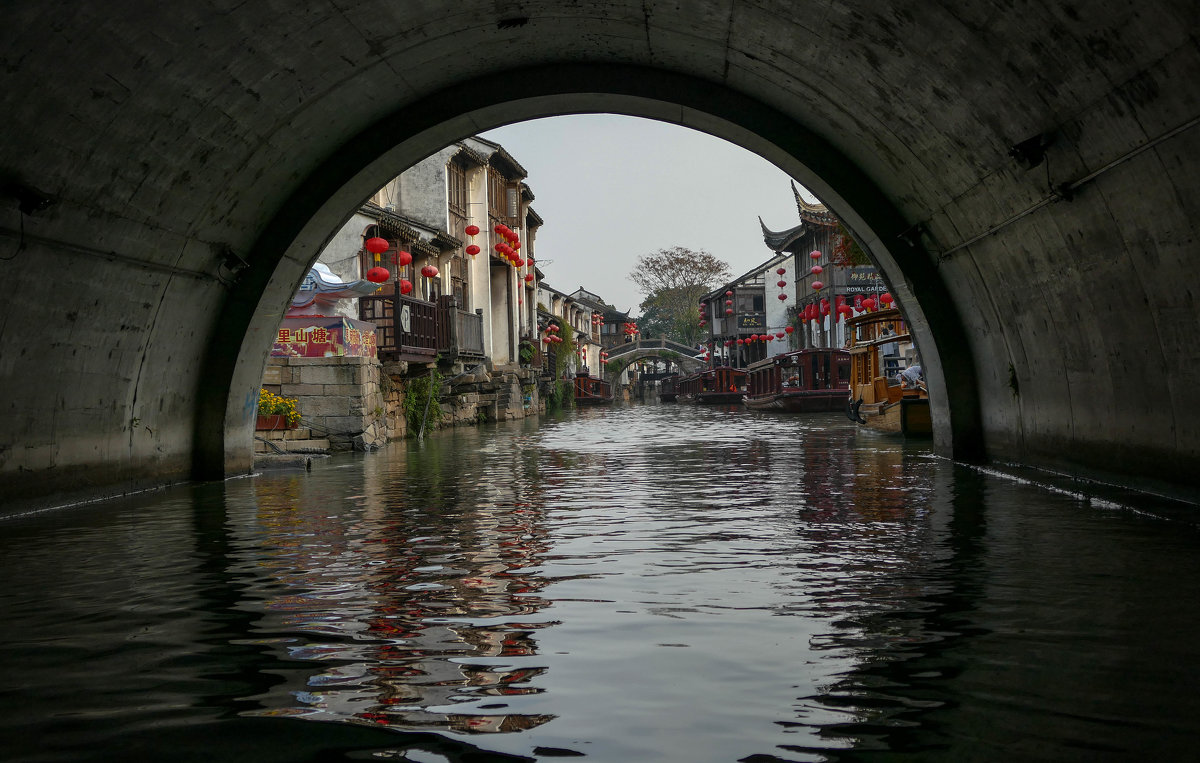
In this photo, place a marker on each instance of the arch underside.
(196, 160)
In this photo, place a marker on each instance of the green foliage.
(416, 394)
(526, 352)
(846, 252)
(673, 280)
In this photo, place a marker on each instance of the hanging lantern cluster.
(551, 334)
(377, 246)
(630, 330)
(509, 249)
(782, 284)
(604, 356)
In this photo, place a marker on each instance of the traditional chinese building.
(741, 313)
(828, 272)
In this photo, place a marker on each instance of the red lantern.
(472, 250)
(741, 341)
(403, 258)
(782, 297)
(429, 271)
(378, 275)
(816, 270)
(780, 335)
(520, 262)
(869, 303)
(817, 285)
(729, 301)
(815, 254)
(729, 311)
(728, 294)
(781, 271)
(472, 230)
(376, 245)
(405, 286)
(781, 284)
(529, 278)
(824, 307)
(886, 299)
(788, 329)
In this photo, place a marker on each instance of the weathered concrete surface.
(178, 140)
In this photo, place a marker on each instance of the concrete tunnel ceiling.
(1053, 292)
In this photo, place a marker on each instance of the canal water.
(640, 583)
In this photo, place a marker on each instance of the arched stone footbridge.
(682, 355)
(1023, 173)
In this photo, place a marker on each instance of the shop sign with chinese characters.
(321, 337)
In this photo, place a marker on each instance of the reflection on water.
(663, 583)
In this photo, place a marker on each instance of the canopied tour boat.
(713, 386)
(880, 351)
(591, 391)
(815, 379)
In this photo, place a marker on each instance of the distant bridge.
(687, 357)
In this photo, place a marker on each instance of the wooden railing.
(406, 328)
(459, 332)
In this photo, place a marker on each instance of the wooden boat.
(592, 391)
(816, 379)
(880, 347)
(668, 389)
(713, 386)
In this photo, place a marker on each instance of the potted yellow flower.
(275, 412)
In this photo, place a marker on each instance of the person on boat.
(911, 377)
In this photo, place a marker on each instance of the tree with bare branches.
(673, 280)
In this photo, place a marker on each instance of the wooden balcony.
(406, 328)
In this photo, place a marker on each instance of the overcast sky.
(611, 188)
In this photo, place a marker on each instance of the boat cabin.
(880, 351)
(592, 391)
(814, 379)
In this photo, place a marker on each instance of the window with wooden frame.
(456, 182)
(458, 281)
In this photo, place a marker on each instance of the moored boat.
(668, 389)
(713, 386)
(881, 350)
(815, 379)
(592, 391)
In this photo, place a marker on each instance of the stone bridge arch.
(663, 349)
(1021, 175)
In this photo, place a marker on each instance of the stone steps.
(292, 446)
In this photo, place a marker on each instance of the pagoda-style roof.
(813, 212)
(782, 241)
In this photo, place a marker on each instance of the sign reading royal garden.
(313, 336)
(864, 280)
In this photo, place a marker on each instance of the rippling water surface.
(647, 583)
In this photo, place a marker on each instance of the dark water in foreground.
(653, 583)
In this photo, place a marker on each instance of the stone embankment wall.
(340, 399)
(358, 403)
